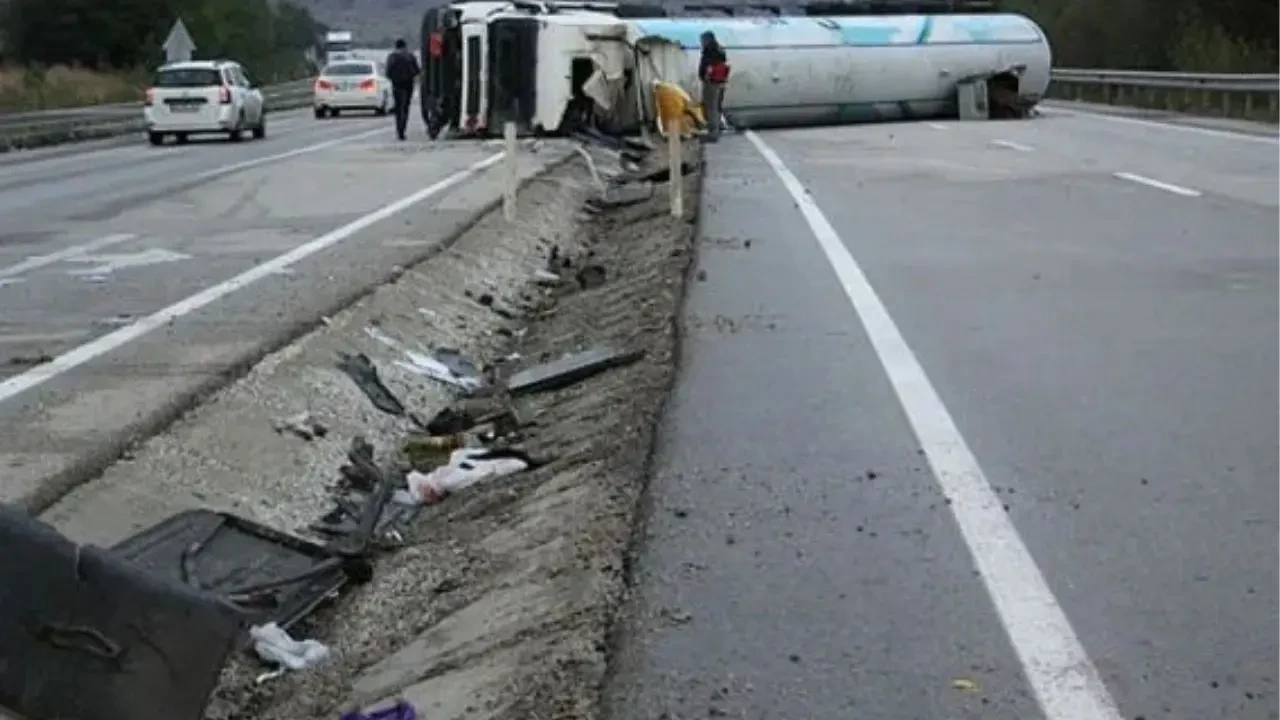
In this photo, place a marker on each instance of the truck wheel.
(156, 138)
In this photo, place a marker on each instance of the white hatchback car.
(202, 97)
(352, 85)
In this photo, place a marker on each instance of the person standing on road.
(402, 70)
(713, 71)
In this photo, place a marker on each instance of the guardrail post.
(512, 175)
(675, 169)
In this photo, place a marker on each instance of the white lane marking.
(1210, 132)
(1151, 182)
(936, 126)
(1066, 683)
(1012, 145)
(254, 162)
(34, 263)
(111, 341)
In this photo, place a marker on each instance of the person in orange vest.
(713, 71)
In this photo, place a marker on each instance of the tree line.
(1189, 35)
(267, 37)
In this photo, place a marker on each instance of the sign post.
(178, 47)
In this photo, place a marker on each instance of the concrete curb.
(54, 487)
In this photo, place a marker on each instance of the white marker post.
(512, 180)
(675, 163)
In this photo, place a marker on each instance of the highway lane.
(146, 274)
(982, 413)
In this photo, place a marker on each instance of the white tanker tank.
(816, 70)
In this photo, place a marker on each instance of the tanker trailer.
(791, 71)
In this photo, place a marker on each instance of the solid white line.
(1151, 182)
(1065, 681)
(1012, 145)
(1210, 132)
(254, 162)
(34, 263)
(105, 344)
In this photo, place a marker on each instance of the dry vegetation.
(64, 87)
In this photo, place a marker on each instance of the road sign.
(179, 46)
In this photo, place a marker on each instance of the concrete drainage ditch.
(494, 600)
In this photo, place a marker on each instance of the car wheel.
(260, 130)
(156, 138)
(320, 113)
(182, 138)
(383, 108)
(334, 112)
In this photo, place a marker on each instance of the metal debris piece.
(569, 370)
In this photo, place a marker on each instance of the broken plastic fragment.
(303, 425)
(467, 467)
(362, 371)
(964, 685)
(274, 646)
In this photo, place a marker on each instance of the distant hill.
(376, 23)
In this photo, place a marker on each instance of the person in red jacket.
(713, 71)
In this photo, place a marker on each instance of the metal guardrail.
(1250, 96)
(51, 127)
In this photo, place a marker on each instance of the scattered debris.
(446, 364)
(466, 467)
(303, 425)
(400, 711)
(362, 371)
(591, 277)
(276, 647)
(676, 616)
(467, 413)
(115, 320)
(569, 370)
(964, 685)
(546, 278)
(270, 576)
(30, 360)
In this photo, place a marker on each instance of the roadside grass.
(25, 89)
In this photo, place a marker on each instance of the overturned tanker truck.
(553, 67)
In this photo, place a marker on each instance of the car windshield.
(188, 77)
(349, 69)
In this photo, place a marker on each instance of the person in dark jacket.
(402, 70)
(713, 71)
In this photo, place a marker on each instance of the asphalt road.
(134, 277)
(974, 421)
